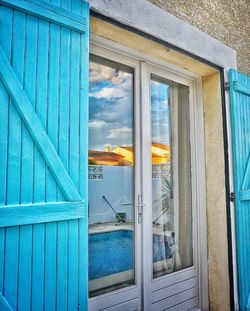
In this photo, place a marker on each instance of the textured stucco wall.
(218, 279)
(226, 20)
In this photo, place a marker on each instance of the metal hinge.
(232, 196)
(140, 206)
(227, 86)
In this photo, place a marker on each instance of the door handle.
(140, 206)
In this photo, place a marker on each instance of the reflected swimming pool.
(113, 252)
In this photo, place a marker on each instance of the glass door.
(114, 187)
(170, 267)
(142, 220)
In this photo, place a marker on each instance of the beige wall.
(226, 20)
(218, 281)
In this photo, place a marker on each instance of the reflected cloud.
(100, 72)
(96, 124)
(111, 107)
(124, 133)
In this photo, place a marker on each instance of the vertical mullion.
(146, 186)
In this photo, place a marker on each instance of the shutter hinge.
(227, 86)
(232, 196)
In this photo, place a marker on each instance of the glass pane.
(111, 177)
(171, 195)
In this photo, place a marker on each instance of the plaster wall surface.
(226, 21)
(215, 186)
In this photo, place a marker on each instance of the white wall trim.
(148, 18)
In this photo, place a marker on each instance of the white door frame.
(128, 297)
(119, 53)
(149, 284)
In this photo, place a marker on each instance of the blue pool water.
(113, 252)
(110, 252)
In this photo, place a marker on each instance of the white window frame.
(117, 52)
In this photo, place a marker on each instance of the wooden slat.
(39, 237)
(49, 13)
(74, 108)
(50, 267)
(25, 244)
(53, 104)
(30, 89)
(40, 213)
(62, 266)
(63, 151)
(14, 165)
(5, 42)
(36, 129)
(51, 186)
(38, 256)
(2, 254)
(73, 265)
(41, 107)
(25, 259)
(241, 88)
(76, 6)
(83, 163)
(74, 145)
(83, 268)
(63, 130)
(11, 266)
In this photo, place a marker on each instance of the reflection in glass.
(111, 176)
(171, 196)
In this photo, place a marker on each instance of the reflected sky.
(160, 112)
(111, 107)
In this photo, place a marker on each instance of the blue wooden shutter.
(43, 154)
(240, 116)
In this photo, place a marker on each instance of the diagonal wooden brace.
(4, 306)
(39, 135)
